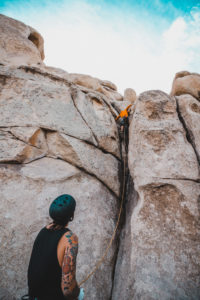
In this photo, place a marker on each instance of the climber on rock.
(124, 123)
(123, 116)
(52, 266)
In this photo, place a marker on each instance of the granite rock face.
(189, 112)
(26, 192)
(19, 43)
(186, 83)
(130, 95)
(159, 243)
(158, 143)
(58, 135)
(48, 148)
(105, 87)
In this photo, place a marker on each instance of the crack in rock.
(18, 139)
(187, 131)
(85, 171)
(186, 179)
(35, 70)
(73, 92)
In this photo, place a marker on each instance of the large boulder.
(56, 137)
(50, 144)
(186, 83)
(130, 95)
(158, 143)
(26, 193)
(189, 112)
(101, 165)
(159, 244)
(104, 87)
(19, 43)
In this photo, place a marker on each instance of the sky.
(134, 44)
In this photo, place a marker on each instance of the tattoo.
(69, 264)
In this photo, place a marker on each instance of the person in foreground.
(52, 266)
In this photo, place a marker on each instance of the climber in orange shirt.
(123, 118)
(124, 113)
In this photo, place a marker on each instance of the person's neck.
(55, 226)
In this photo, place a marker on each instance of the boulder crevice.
(188, 132)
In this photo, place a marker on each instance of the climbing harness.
(101, 260)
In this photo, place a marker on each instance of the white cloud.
(112, 45)
(180, 46)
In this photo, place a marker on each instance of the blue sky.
(137, 44)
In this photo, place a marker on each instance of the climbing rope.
(101, 260)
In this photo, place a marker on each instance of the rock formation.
(58, 135)
(55, 137)
(130, 95)
(159, 243)
(186, 83)
(19, 43)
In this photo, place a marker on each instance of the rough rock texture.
(159, 244)
(189, 112)
(96, 114)
(40, 121)
(186, 83)
(58, 135)
(158, 143)
(5, 295)
(55, 137)
(103, 166)
(130, 95)
(16, 146)
(105, 87)
(19, 43)
(26, 193)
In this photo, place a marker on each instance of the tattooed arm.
(69, 285)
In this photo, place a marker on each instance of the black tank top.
(44, 271)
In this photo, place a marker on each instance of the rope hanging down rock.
(101, 260)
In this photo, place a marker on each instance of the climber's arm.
(117, 118)
(69, 285)
(128, 107)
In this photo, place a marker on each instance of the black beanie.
(62, 209)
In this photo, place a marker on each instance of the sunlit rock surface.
(19, 43)
(159, 244)
(58, 135)
(186, 83)
(54, 139)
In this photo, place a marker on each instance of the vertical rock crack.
(187, 131)
(72, 95)
(123, 215)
